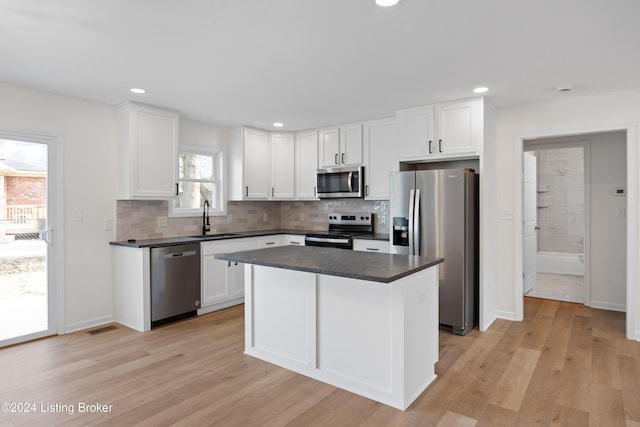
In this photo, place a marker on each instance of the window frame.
(217, 181)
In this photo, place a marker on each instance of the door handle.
(430, 148)
(440, 145)
(246, 191)
(336, 159)
(47, 236)
(537, 228)
(342, 158)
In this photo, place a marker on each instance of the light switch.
(108, 224)
(77, 215)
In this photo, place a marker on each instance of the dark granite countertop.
(185, 240)
(375, 267)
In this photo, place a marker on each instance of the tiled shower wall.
(561, 200)
(137, 219)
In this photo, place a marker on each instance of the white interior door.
(530, 221)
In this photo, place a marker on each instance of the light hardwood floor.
(565, 364)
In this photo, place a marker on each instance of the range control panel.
(362, 218)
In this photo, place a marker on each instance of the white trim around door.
(632, 321)
(55, 224)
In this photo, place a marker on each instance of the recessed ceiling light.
(481, 89)
(278, 124)
(137, 90)
(387, 3)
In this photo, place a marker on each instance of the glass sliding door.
(27, 283)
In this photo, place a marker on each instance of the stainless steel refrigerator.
(435, 213)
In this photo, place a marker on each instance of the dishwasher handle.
(178, 254)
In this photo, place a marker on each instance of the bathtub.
(560, 263)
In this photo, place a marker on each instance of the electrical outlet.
(108, 224)
(162, 221)
(301, 216)
(229, 219)
(265, 217)
(77, 215)
(507, 214)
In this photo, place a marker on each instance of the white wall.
(562, 117)
(88, 139)
(608, 230)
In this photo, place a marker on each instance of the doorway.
(603, 252)
(556, 218)
(28, 267)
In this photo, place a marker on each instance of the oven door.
(340, 182)
(328, 241)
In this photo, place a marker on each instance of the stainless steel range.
(342, 227)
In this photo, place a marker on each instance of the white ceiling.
(313, 63)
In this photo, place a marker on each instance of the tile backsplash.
(136, 219)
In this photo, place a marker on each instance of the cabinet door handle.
(246, 191)
(270, 243)
(430, 149)
(440, 145)
(228, 263)
(272, 191)
(373, 249)
(315, 190)
(177, 189)
(336, 158)
(294, 243)
(342, 158)
(366, 190)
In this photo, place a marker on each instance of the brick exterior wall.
(25, 190)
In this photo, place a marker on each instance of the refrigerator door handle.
(411, 224)
(416, 224)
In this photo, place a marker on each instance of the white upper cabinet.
(148, 152)
(282, 166)
(249, 157)
(458, 124)
(416, 132)
(329, 147)
(441, 131)
(306, 164)
(381, 157)
(340, 146)
(351, 144)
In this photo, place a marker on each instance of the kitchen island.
(364, 322)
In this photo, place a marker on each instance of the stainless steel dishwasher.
(175, 282)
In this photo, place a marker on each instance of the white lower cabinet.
(293, 239)
(222, 282)
(270, 241)
(280, 240)
(366, 245)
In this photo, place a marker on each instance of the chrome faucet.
(205, 218)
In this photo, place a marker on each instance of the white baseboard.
(74, 327)
(506, 315)
(220, 305)
(608, 306)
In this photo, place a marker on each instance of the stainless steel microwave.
(345, 181)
